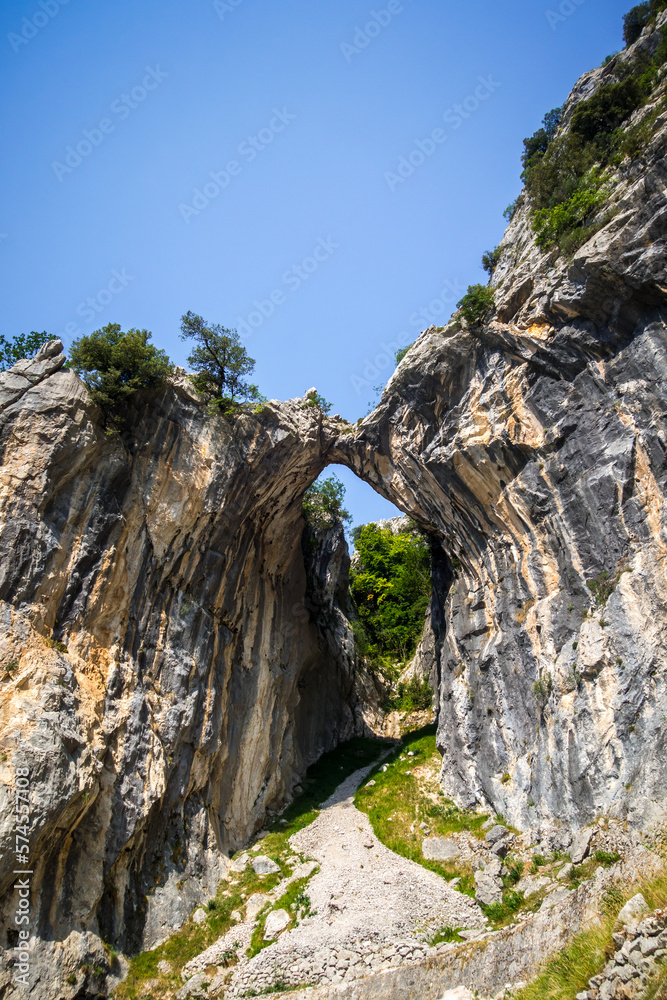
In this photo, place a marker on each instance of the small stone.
(371, 784)
(489, 890)
(163, 967)
(199, 916)
(263, 865)
(239, 864)
(255, 903)
(565, 871)
(235, 915)
(581, 845)
(276, 922)
(496, 834)
(631, 914)
(460, 993)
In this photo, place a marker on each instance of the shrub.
(390, 583)
(566, 224)
(476, 303)
(400, 354)
(23, 346)
(323, 504)
(638, 17)
(537, 144)
(220, 362)
(415, 696)
(608, 108)
(314, 399)
(491, 259)
(512, 208)
(115, 365)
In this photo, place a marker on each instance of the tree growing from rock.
(220, 363)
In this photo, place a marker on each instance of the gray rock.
(632, 913)
(440, 849)
(239, 864)
(199, 916)
(581, 845)
(496, 834)
(276, 922)
(489, 890)
(263, 865)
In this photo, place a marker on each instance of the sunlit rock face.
(173, 655)
(171, 663)
(532, 448)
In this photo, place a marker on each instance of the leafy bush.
(390, 583)
(115, 365)
(476, 303)
(638, 17)
(314, 399)
(25, 345)
(600, 115)
(323, 504)
(491, 259)
(415, 696)
(537, 144)
(220, 362)
(512, 208)
(569, 220)
(400, 354)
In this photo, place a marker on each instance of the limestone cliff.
(533, 449)
(173, 659)
(170, 666)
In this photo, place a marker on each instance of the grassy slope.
(321, 781)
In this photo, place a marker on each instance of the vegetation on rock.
(20, 348)
(477, 302)
(565, 173)
(221, 364)
(115, 365)
(323, 504)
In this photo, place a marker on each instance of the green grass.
(295, 901)
(321, 780)
(396, 805)
(569, 972)
(445, 936)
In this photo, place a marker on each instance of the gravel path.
(373, 910)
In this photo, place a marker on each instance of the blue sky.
(240, 158)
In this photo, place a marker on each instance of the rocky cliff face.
(533, 449)
(173, 660)
(171, 664)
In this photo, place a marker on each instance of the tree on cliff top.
(220, 362)
(323, 503)
(23, 346)
(114, 365)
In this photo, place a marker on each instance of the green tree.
(323, 503)
(115, 365)
(220, 361)
(537, 144)
(401, 352)
(635, 21)
(23, 346)
(491, 259)
(476, 303)
(390, 582)
(318, 402)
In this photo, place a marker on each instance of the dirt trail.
(372, 910)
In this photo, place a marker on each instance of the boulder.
(489, 889)
(440, 849)
(496, 834)
(581, 845)
(276, 922)
(632, 913)
(264, 865)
